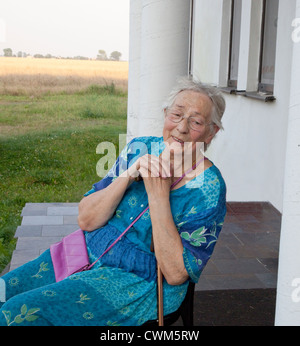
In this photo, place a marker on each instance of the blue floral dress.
(121, 288)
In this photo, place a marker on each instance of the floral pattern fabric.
(121, 288)
(198, 208)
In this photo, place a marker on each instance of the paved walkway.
(42, 225)
(245, 256)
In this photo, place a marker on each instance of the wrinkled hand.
(156, 173)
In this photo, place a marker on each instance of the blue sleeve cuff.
(191, 266)
(89, 192)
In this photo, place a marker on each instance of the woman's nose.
(183, 126)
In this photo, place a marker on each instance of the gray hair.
(214, 93)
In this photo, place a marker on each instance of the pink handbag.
(69, 256)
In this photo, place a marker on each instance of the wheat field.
(33, 77)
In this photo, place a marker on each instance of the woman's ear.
(216, 129)
(212, 134)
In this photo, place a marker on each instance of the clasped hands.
(156, 172)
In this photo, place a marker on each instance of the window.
(236, 12)
(268, 46)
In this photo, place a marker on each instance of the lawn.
(48, 148)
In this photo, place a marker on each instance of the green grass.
(48, 150)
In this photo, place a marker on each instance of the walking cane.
(160, 301)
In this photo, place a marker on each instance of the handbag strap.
(140, 215)
(119, 238)
(187, 172)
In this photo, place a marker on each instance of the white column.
(288, 287)
(134, 68)
(164, 53)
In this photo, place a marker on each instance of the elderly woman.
(185, 193)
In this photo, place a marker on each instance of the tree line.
(114, 56)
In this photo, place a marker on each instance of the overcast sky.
(65, 27)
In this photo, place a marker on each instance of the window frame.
(232, 83)
(263, 87)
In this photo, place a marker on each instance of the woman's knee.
(22, 310)
(34, 274)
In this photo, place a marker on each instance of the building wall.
(251, 150)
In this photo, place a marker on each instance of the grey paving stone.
(33, 212)
(38, 243)
(60, 230)
(71, 220)
(21, 257)
(5, 270)
(62, 211)
(42, 220)
(29, 231)
(36, 206)
(43, 249)
(47, 205)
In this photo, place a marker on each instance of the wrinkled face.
(189, 104)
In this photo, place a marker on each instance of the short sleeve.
(199, 234)
(132, 151)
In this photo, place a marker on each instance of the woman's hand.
(156, 173)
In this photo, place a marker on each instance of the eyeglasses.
(195, 123)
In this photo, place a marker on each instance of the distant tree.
(40, 56)
(101, 55)
(79, 57)
(115, 55)
(20, 54)
(7, 52)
